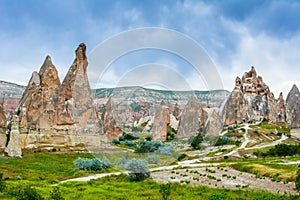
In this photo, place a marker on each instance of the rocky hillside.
(213, 98)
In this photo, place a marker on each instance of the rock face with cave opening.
(251, 100)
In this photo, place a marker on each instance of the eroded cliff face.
(192, 119)
(251, 100)
(293, 107)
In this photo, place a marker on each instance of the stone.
(161, 122)
(13, 148)
(192, 120)
(293, 107)
(75, 108)
(111, 123)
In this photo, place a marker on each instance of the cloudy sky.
(235, 35)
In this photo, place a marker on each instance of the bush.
(182, 156)
(152, 159)
(56, 194)
(2, 183)
(94, 164)
(115, 141)
(129, 143)
(165, 191)
(129, 136)
(196, 141)
(149, 146)
(297, 179)
(138, 169)
(26, 193)
(165, 150)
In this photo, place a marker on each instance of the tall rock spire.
(75, 106)
(192, 120)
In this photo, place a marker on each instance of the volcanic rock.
(293, 107)
(251, 100)
(2, 127)
(192, 120)
(111, 123)
(214, 124)
(176, 111)
(75, 108)
(161, 122)
(13, 148)
(37, 106)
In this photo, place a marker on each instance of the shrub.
(297, 179)
(26, 193)
(129, 143)
(138, 169)
(182, 156)
(165, 191)
(2, 183)
(123, 160)
(197, 141)
(129, 136)
(165, 150)
(94, 164)
(56, 194)
(115, 141)
(153, 159)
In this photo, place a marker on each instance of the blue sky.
(235, 35)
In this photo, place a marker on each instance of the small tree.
(297, 180)
(2, 183)
(165, 191)
(56, 194)
(138, 169)
(197, 141)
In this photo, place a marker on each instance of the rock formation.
(37, 106)
(2, 127)
(176, 111)
(214, 124)
(192, 120)
(251, 100)
(111, 123)
(293, 107)
(54, 114)
(161, 122)
(13, 148)
(75, 108)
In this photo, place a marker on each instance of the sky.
(235, 35)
